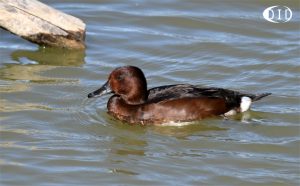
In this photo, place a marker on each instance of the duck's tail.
(257, 97)
(247, 99)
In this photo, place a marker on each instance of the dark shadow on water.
(207, 125)
(50, 56)
(29, 65)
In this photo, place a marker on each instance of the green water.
(50, 134)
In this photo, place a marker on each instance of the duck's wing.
(168, 92)
(177, 91)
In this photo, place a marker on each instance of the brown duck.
(133, 103)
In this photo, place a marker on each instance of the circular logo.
(278, 14)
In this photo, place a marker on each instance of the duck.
(133, 103)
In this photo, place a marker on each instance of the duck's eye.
(120, 77)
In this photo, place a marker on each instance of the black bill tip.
(105, 89)
(90, 95)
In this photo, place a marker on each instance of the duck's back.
(178, 91)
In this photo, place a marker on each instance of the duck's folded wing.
(232, 98)
(164, 93)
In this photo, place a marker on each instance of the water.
(52, 135)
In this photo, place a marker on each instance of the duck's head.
(128, 82)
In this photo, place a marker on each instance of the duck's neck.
(139, 97)
(136, 92)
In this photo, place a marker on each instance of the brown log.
(41, 24)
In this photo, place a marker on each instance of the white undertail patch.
(245, 103)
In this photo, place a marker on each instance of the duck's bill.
(105, 89)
